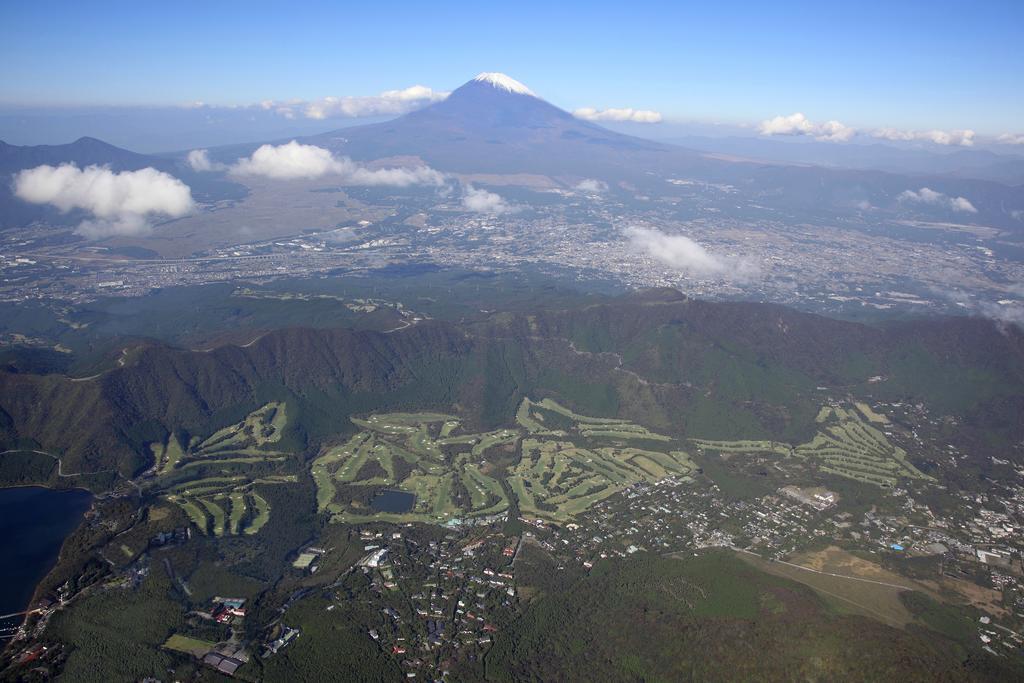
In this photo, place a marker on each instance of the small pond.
(393, 501)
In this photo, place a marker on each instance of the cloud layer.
(625, 114)
(956, 138)
(931, 197)
(388, 103)
(682, 253)
(481, 201)
(122, 203)
(834, 131)
(294, 160)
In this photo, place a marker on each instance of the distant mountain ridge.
(87, 151)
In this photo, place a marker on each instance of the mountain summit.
(492, 123)
(503, 82)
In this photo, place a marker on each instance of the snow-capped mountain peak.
(503, 82)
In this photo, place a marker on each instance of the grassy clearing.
(845, 445)
(190, 646)
(195, 513)
(259, 428)
(744, 446)
(557, 480)
(219, 504)
(427, 455)
(847, 593)
(262, 514)
(620, 433)
(502, 436)
(870, 414)
(548, 404)
(217, 514)
(167, 456)
(238, 508)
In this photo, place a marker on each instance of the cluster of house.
(437, 597)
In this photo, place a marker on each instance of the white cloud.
(120, 203)
(798, 124)
(288, 161)
(961, 204)
(482, 201)
(1004, 312)
(625, 114)
(961, 138)
(1010, 139)
(928, 196)
(682, 253)
(199, 160)
(591, 186)
(388, 103)
(396, 176)
(834, 131)
(794, 124)
(294, 160)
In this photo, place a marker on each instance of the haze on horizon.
(923, 73)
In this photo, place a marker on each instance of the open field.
(212, 479)
(549, 418)
(876, 595)
(870, 414)
(846, 445)
(190, 646)
(259, 428)
(744, 446)
(557, 479)
(262, 508)
(420, 453)
(447, 470)
(853, 448)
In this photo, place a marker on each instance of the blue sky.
(901, 64)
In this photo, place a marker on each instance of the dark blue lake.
(392, 501)
(33, 525)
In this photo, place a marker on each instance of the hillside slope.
(686, 367)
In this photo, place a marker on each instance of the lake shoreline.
(32, 541)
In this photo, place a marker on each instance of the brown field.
(837, 561)
(847, 592)
(875, 600)
(987, 599)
